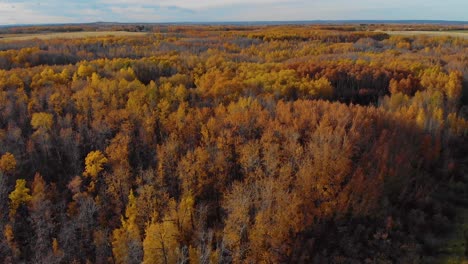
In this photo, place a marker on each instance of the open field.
(69, 35)
(461, 34)
(85, 34)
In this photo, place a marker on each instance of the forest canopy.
(231, 144)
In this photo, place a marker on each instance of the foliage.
(231, 144)
(94, 163)
(19, 196)
(7, 163)
(42, 121)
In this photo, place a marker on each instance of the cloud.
(22, 13)
(137, 13)
(191, 4)
(65, 11)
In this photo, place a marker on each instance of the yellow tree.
(322, 88)
(453, 88)
(94, 163)
(42, 121)
(160, 244)
(19, 196)
(126, 243)
(184, 216)
(85, 70)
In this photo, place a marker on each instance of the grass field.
(86, 34)
(461, 34)
(69, 35)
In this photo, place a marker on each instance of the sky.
(80, 11)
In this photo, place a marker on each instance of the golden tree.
(126, 243)
(19, 196)
(7, 163)
(94, 163)
(160, 245)
(42, 121)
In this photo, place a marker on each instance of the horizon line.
(271, 22)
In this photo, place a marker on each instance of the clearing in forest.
(69, 35)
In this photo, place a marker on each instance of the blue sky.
(67, 11)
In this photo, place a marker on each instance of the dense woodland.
(231, 144)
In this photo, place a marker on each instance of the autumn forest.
(232, 144)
